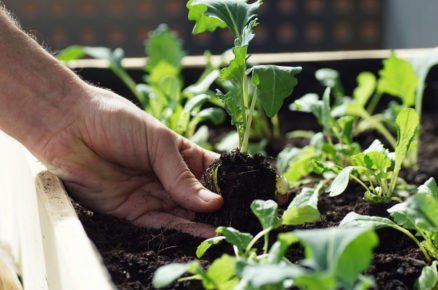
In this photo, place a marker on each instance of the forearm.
(37, 93)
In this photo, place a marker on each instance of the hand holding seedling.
(112, 157)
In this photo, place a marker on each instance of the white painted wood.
(40, 233)
(20, 230)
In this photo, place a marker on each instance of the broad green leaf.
(303, 208)
(221, 273)
(398, 78)
(301, 165)
(340, 183)
(212, 14)
(353, 220)
(419, 212)
(266, 212)
(205, 245)
(70, 53)
(164, 46)
(429, 187)
(366, 86)
(428, 279)
(168, 274)
(203, 22)
(343, 252)
(274, 84)
(259, 275)
(407, 123)
(161, 71)
(305, 104)
(234, 237)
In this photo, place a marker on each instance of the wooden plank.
(267, 58)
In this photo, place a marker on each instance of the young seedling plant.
(246, 88)
(162, 94)
(334, 258)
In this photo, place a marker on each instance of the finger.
(178, 180)
(160, 220)
(197, 158)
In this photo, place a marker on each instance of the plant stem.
(412, 237)
(276, 127)
(244, 147)
(257, 237)
(373, 103)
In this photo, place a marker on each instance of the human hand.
(115, 159)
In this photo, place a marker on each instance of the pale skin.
(112, 157)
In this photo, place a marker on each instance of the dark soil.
(240, 180)
(132, 254)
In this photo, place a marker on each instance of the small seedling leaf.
(266, 212)
(303, 208)
(340, 183)
(365, 89)
(428, 279)
(168, 274)
(205, 245)
(234, 237)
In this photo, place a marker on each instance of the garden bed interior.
(132, 254)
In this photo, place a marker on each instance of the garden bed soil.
(132, 254)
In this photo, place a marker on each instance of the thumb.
(180, 182)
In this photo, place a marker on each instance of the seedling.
(334, 258)
(378, 170)
(266, 85)
(418, 213)
(162, 95)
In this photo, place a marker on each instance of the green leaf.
(419, 212)
(346, 124)
(212, 14)
(279, 248)
(343, 252)
(326, 117)
(266, 212)
(70, 53)
(365, 89)
(330, 78)
(316, 281)
(428, 279)
(259, 275)
(168, 274)
(214, 115)
(234, 237)
(353, 220)
(203, 22)
(301, 165)
(398, 79)
(429, 187)
(161, 71)
(164, 46)
(205, 245)
(407, 123)
(221, 273)
(305, 104)
(340, 183)
(285, 157)
(274, 84)
(303, 208)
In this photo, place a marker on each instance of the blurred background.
(285, 25)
